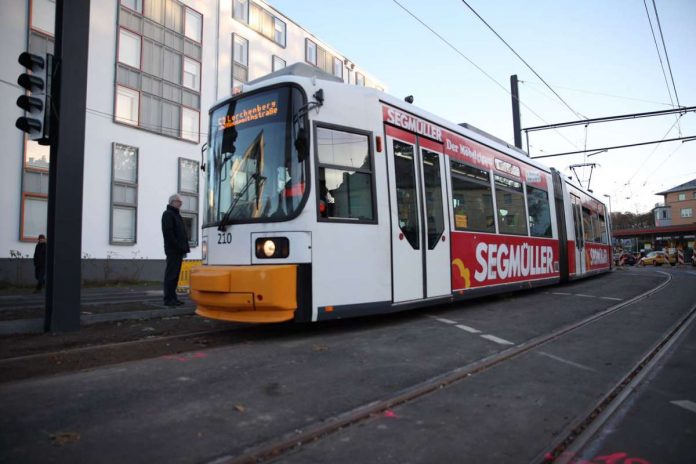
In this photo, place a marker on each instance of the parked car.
(657, 258)
(626, 258)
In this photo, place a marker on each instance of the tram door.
(579, 236)
(420, 223)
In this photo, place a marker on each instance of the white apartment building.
(155, 67)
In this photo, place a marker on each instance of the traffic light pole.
(64, 228)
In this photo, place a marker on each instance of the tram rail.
(273, 448)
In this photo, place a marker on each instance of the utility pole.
(64, 227)
(516, 124)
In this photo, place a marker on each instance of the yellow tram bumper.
(259, 293)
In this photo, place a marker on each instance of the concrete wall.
(19, 272)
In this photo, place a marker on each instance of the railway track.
(279, 446)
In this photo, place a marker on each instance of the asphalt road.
(215, 403)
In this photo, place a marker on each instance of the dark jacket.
(40, 258)
(174, 232)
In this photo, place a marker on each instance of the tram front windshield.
(255, 172)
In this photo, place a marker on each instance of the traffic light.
(36, 105)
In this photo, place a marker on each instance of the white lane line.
(686, 404)
(610, 298)
(565, 361)
(586, 296)
(446, 321)
(495, 339)
(561, 293)
(466, 328)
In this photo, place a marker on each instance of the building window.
(240, 58)
(359, 79)
(36, 156)
(338, 68)
(687, 212)
(190, 121)
(129, 48)
(192, 74)
(694, 195)
(127, 105)
(280, 31)
(682, 196)
(278, 63)
(43, 15)
(472, 199)
(240, 10)
(124, 194)
(310, 52)
(135, 5)
(345, 175)
(34, 216)
(194, 25)
(188, 191)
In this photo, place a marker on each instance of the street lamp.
(611, 223)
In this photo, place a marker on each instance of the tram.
(325, 201)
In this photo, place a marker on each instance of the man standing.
(40, 263)
(175, 247)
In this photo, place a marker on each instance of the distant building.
(155, 68)
(675, 224)
(680, 202)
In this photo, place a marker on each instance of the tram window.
(587, 225)
(509, 197)
(472, 200)
(406, 195)
(539, 212)
(433, 197)
(345, 181)
(596, 228)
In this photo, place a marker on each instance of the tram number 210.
(224, 238)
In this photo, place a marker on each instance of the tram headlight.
(272, 247)
(204, 251)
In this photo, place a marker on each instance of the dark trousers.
(171, 276)
(40, 275)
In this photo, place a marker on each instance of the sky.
(599, 56)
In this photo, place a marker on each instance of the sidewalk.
(23, 312)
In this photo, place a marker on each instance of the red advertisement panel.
(466, 150)
(597, 256)
(479, 260)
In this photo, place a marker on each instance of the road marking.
(586, 296)
(686, 404)
(466, 328)
(610, 298)
(495, 339)
(561, 293)
(446, 321)
(565, 361)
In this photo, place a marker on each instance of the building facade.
(155, 67)
(675, 225)
(679, 205)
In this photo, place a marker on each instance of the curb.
(33, 326)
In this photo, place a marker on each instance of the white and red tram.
(326, 201)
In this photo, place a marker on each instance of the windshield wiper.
(258, 179)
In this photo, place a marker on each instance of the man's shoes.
(179, 302)
(170, 303)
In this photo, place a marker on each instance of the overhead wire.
(460, 53)
(654, 150)
(664, 47)
(659, 55)
(579, 115)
